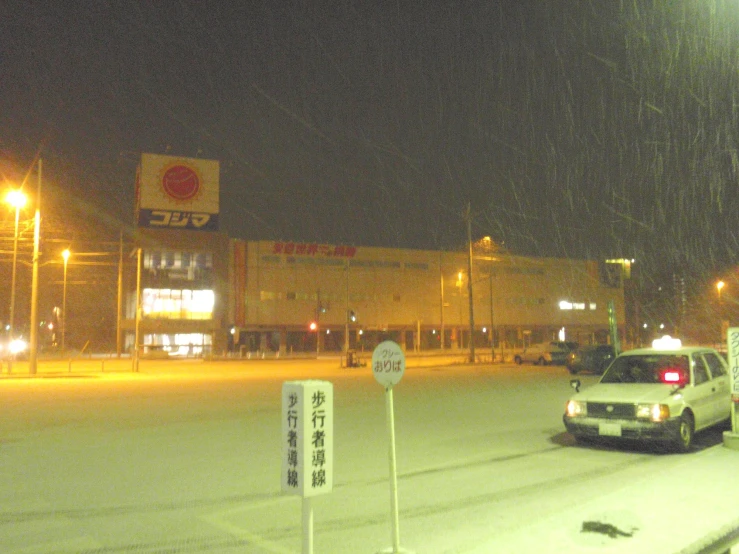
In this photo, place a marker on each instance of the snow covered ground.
(186, 458)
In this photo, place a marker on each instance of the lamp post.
(719, 287)
(459, 283)
(16, 199)
(65, 256)
(469, 285)
(348, 315)
(441, 303)
(492, 321)
(137, 333)
(33, 338)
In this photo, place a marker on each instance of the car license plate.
(609, 429)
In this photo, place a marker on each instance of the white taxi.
(665, 393)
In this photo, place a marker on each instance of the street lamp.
(459, 284)
(16, 199)
(469, 284)
(65, 255)
(33, 335)
(719, 286)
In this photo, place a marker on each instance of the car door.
(701, 395)
(720, 382)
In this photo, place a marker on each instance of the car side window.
(700, 372)
(714, 364)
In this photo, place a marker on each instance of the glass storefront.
(177, 304)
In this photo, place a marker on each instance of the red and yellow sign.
(175, 192)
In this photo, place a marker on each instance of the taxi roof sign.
(666, 343)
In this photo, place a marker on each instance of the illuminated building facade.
(184, 293)
(356, 296)
(205, 294)
(182, 259)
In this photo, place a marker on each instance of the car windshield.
(648, 368)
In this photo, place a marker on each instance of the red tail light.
(672, 376)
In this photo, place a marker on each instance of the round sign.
(181, 182)
(388, 363)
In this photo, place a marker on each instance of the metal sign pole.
(307, 526)
(388, 366)
(393, 468)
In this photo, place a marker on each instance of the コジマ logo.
(181, 182)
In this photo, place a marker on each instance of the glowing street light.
(65, 254)
(17, 200)
(719, 287)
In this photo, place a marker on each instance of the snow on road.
(161, 462)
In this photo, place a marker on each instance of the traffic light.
(352, 316)
(313, 326)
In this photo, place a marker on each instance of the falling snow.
(575, 129)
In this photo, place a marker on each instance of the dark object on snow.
(604, 528)
(593, 358)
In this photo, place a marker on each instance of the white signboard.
(388, 363)
(732, 341)
(177, 193)
(307, 437)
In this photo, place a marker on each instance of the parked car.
(593, 358)
(554, 352)
(664, 394)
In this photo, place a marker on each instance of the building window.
(177, 304)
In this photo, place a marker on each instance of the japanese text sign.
(388, 363)
(733, 346)
(314, 249)
(307, 437)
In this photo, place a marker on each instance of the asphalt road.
(186, 457)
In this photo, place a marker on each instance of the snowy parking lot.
(186, 457)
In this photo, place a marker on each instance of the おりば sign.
(307, 437)
(388, 363)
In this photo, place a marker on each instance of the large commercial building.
(288, 295)
(202, 293)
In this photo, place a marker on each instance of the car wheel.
(518, 360)
(684, 439)
(542, 361)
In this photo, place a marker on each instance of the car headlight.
(575, 408)
(17, 346)
(653, 412)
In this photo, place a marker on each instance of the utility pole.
(492, 320)
(346, 312)
(137, 332)
(33, 353)
(119, 314)
(468, 216)
(441, 307)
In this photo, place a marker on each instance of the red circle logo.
(181, 182)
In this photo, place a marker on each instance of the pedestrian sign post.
(388, 367)
(307, 445)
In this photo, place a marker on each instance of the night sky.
(575, 129)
